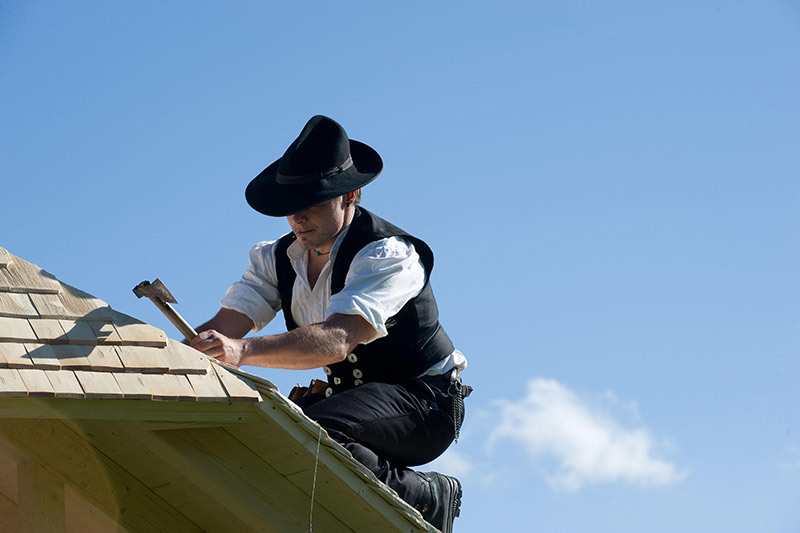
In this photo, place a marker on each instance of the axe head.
(154, 290)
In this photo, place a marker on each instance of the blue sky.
(611, 190)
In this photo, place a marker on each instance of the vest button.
(358, 374)
(337, 381)
(352, 357)
(327, 370)
(357, 382)
(328, 392)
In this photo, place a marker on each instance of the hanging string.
(314, 485)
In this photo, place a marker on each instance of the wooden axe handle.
(173, 316)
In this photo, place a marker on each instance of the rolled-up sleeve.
(383, 277)
(256, 293)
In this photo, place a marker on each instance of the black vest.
(415, 340)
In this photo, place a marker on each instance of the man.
(356, 298)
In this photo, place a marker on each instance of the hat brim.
(267, 196)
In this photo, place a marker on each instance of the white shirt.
(382, 278)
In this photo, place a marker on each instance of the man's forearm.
(302, 348)
(306, 347)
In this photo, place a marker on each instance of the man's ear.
(349, 198)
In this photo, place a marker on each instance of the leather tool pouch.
(316, 386)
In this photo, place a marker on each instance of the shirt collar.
(297, 252)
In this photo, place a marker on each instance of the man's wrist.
(244, 351)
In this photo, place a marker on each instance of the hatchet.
(160, 295)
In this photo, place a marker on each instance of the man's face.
(318, 226)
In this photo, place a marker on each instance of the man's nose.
(298, 217)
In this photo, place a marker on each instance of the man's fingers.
(206, 341)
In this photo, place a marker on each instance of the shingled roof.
(126, 429)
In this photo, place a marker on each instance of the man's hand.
(217, 345)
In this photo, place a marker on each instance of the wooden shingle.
(185, 360)
(25, 277)
(139, 334)
(49, 305)
(65, 384)
(14, 304)
(14, 355)
(105, 359)
(98, 384)
(43, 356)
(79, 304)
(143, 359)
(16, 330)
(238, 389)
(48, 330)
(11, 384)
(169, 387)
(104, 332)
(207, 387)
(133, 386)
(78, 331)
(36, 382)
(72, 357)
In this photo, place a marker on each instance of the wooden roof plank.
(78, 331)
(170, 387)
(49, 305)
(185, 360)
(11, 383)
(143, 359)
(230, 479)
(133, 386)
(80, 304)
(71, 356)
(65, 384)
(94, 476)
(36, 382)
(185, 495)
(207, 387)
(17, 305)
(104, 358)
(238, 389)
(98, 384)
(14, 355)
(105, 332)
(42, 356)
(16, 330)
(21, 276)
(140, 335)
(48, 330)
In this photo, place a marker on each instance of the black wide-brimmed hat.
(322, 163)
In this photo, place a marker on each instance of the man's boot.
(441, 503)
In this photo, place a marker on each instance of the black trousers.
(389, 427)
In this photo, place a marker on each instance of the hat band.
(286, 179)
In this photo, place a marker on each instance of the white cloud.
(587, 444)
(454, 463)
